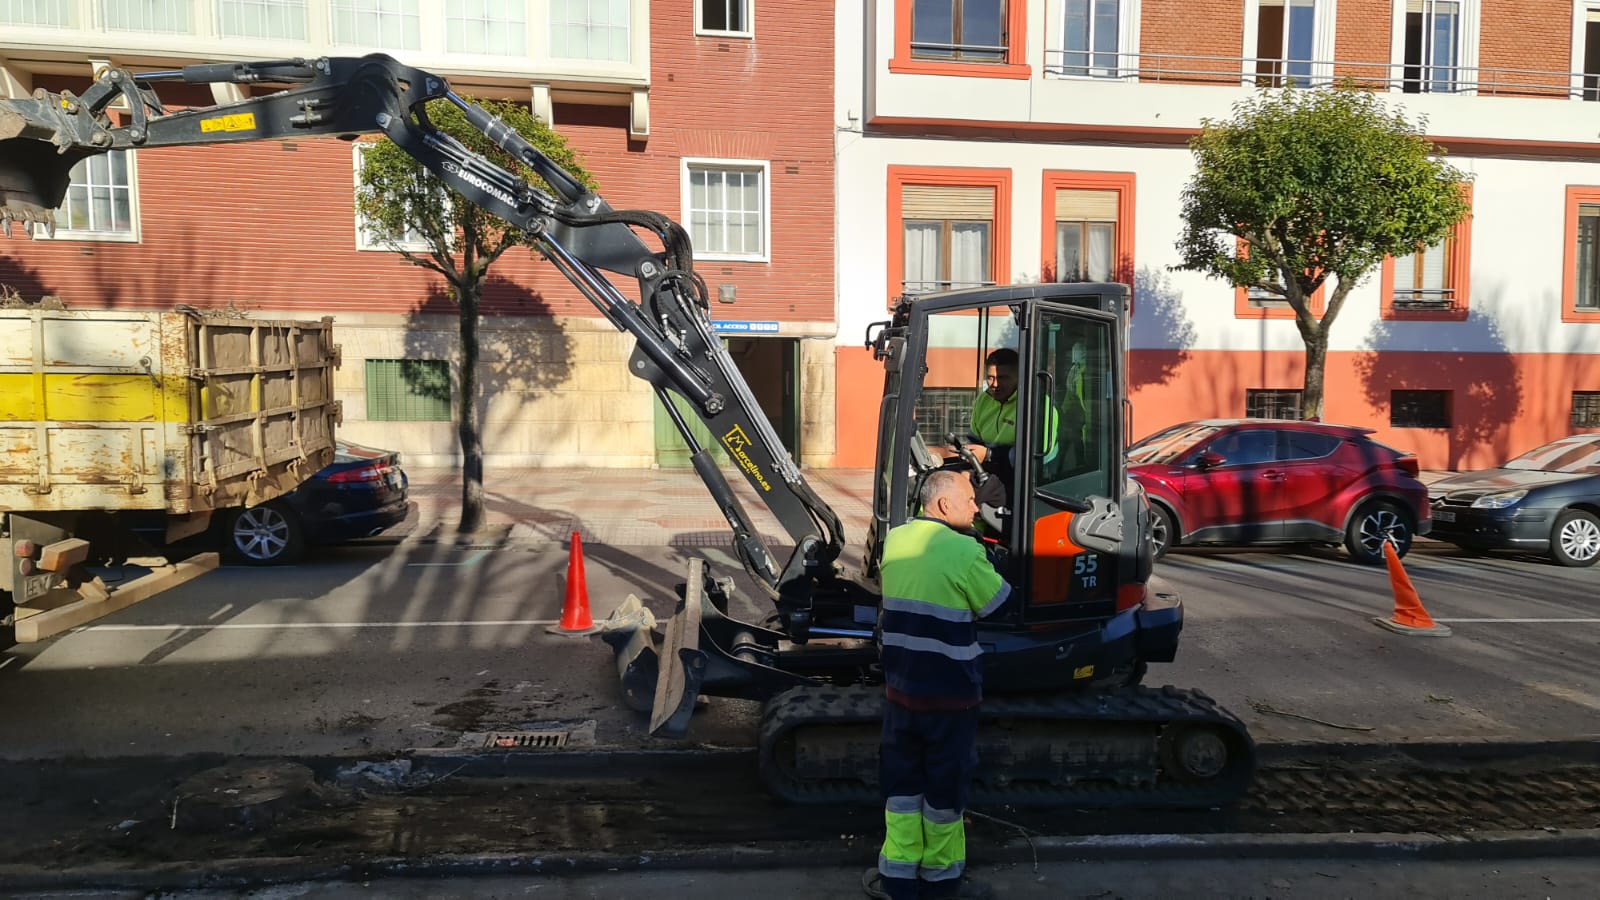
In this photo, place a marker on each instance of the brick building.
(702, 103)
(1052, 133)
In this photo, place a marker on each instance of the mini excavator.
(1065, 718)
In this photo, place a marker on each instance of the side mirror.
(1210, 460)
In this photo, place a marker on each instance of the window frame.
(305, 23)
(1467, 51)
(630, 43)
(1323, 28)
(1014, 66)
(102, 17)
(1129, 13)
(749, 17)
(899, 177)
(1576, 196)
(1449, 408)
(686, 168)
(1590, 398)
(1458, 271)
(69, 8)
(363, 232)
(134, 233)
(1579, 84)
(451, 15)
(1122, 232)
(1299, 397)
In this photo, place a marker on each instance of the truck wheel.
(1375, 522)
(1163, 531)
(1575, 539)
(266, 535)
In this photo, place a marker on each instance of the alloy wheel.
(1380, 525)
(261, 534)
(1580, 539)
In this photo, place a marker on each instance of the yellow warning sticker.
(235, 122)
(1083, 672)
(736, 440)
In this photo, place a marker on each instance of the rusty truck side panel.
(179, 412)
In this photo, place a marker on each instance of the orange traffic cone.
(1409, 616)
(575, 618)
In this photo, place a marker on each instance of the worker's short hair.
(1003, 358)
(937, 484)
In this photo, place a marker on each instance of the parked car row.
(1258, 482)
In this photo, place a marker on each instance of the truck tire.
(1375, 521)
(1575, 539)
(266, 535)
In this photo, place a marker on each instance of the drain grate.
(525, 740)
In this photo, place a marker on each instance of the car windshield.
(1167, 447)
(1579, 455)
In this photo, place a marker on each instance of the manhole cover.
(525, 740)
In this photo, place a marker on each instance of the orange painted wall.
(857, 393)
(1503, 404)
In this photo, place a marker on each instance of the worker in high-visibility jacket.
(937, 582)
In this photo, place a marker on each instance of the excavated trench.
(134, 813)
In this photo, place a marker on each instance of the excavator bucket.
(661, 676)
(37, 152)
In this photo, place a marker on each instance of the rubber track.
(1163, 707)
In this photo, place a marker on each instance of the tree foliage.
(398, 198)
(1317, 185)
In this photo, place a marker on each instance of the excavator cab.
(1060, 519)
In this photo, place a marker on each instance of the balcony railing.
(1248, 71)
(913, 288)
(1429, 300)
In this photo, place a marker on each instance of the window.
(1272, 404)
(1259, 303)
(1433, 281)
(1586, 48)
(1285, 42)
(167, 16)
(1298, 445)
(591, 29)
(101, 203)
(393, 24)
(36, 12)
(730, 17)
(487, 27)
(1586, 409)
(1086, 224)
(279, 20)
(1580, 288)
(727, 208)
(369, 238)
(1091, 38)
(1432, 45)
(965, 30)
(1246, 448)
(1419, 409)
(408, 390)
(948, 235)
(942, 411)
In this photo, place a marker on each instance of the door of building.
(771, 366)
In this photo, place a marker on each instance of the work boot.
(965, 889)
(873, 884)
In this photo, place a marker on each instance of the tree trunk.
(1316, 367)
(471, 440)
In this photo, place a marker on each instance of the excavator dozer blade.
(38, 149)
(630, 632)
(682, 663)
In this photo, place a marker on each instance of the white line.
(1526, 621)
(267, 626)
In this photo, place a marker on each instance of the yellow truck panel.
(181, 412)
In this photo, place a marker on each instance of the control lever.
(978, 474)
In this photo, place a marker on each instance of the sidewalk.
(624, 507)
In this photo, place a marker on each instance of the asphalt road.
(377, 648)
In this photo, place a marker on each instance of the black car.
(1545, 501)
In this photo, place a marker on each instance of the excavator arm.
(676, 350)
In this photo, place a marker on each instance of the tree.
(397, 197)
(1312, 185)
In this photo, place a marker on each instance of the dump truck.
(188, 413)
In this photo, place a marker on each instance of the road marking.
(1525, 621)
(264, 626)
(472, 560)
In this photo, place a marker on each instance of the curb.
(239, 873)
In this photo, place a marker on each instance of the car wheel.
(1375, 522)
(1575, 539)
(266, 535)
(1163, 531)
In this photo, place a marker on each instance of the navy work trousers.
(926, 763)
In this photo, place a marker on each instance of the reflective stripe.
(922, 608)
(929, 645)
(940, 816)
(904, 805)
(995, 601)
(894, 868)
(953, 870)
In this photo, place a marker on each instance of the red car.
(1274, 481)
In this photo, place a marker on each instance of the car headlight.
(1499, 501)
